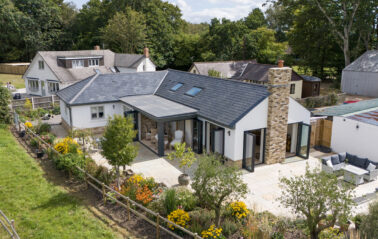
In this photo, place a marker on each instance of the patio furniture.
(336, 162)
(178, 137)
(353, 174)
(153, 139)
(165, 140)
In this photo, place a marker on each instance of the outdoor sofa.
(335, 163)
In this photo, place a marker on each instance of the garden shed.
(361, 76)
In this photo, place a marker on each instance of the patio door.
(248, 151)
(303, 143)
(43, 88)
(197, 136)
(217, 140)
(134, 116)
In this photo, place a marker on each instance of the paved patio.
(263, 183)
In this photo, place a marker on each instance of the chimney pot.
(146, 52)
(97, 47)
(280, 63)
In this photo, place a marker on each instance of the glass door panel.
(217, 141)
(248, 152)
(197, 136)
(303, 147)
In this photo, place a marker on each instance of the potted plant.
(186, 158)
(34, 143)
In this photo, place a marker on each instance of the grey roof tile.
(339, 110)
(367, 62)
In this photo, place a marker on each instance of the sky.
(197, 11)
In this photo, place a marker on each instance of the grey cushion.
(361, 162)
(342, 157)
(370, 167)
(338, 166)
(335, 159)
(329, 163)
(325, 159)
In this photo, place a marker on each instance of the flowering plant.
(28, 124)
(67, 145)
(239, 209)
(143, 195)
(180, 217)
(213, 232)
(136, 179)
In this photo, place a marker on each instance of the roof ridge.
(211, 77)
(82, 89)
(199, 62)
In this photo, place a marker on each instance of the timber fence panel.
(46, 102)
(8, 225)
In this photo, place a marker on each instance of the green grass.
(40, 209)
(16, 80)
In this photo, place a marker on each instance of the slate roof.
(71, 75)
(259, 72)
(110, 87)
(311, 78)
(340, 110)
(370, 117)
(367, 62)
(222, 101)
(228, 69)
(128, 60)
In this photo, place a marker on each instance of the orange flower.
(144, 195)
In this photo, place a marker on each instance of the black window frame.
(292, 89)
(176, 86)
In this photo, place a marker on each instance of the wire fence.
(8, 225)
(155, 219)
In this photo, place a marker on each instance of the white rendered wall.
(346, 137)
(298, 113)
(81, 115)
(42, 74)
(64, 112)
(298, 89)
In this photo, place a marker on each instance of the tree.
(214, 73)
(369, 223)
(125, 32)
(5, 111)
(255, 19)
(185, 155)
(315, 194)
(214, 184)
(117, 143)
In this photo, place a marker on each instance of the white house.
(50, 71)
(361, 76)
(248, 124)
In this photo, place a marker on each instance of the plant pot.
(39, 153)
(21, 133)
(184, 179)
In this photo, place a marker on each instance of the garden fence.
(108, 193)
(8, 225)
(46, 102)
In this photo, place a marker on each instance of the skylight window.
(176, 87)
(194, 91)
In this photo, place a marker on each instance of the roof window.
(194, 91)
(177, 86)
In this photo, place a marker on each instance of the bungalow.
(247, 124)
(50, 71)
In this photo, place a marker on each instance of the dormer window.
(94, 62)
(41, 65)
(77, 63)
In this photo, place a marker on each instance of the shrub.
(68, 163)
(230, 227)
(67, 145)
(28, 106)
(170, 201)
(201, 220)
(331, 233)
(239, 210)
(56, 110)
(34, 143)
(49, 138)
(369, 223)
(180, 217)
(43, 128)
(143, 195)
(186, 199)
(5, 111)
(104, 175)
(42, 112)
(213, 232)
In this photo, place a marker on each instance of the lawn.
(16, 80)
(40, 209)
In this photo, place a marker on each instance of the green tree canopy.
(255, 19)
(125, 32)
(5, 111)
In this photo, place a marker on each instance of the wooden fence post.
(32, 101)
(103, 192)
(128, 209)
(52, 100)
(157, 226)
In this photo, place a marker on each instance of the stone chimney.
(146, 52)
(278, 110)
(280, 63)
(96, 47)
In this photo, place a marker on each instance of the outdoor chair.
(178, 138)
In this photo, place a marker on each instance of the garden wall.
(14, 68)
(322, 100)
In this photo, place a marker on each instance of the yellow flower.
(180, 217)
(239, 209)
(28, 124)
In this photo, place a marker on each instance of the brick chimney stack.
(146, 52)
(280, 63)
(278, 110)
(96, 47)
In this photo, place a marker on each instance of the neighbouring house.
(246, 123)
(310, 86)
(247, 71)
(50, 71)
(354, 128)
(361, 76)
